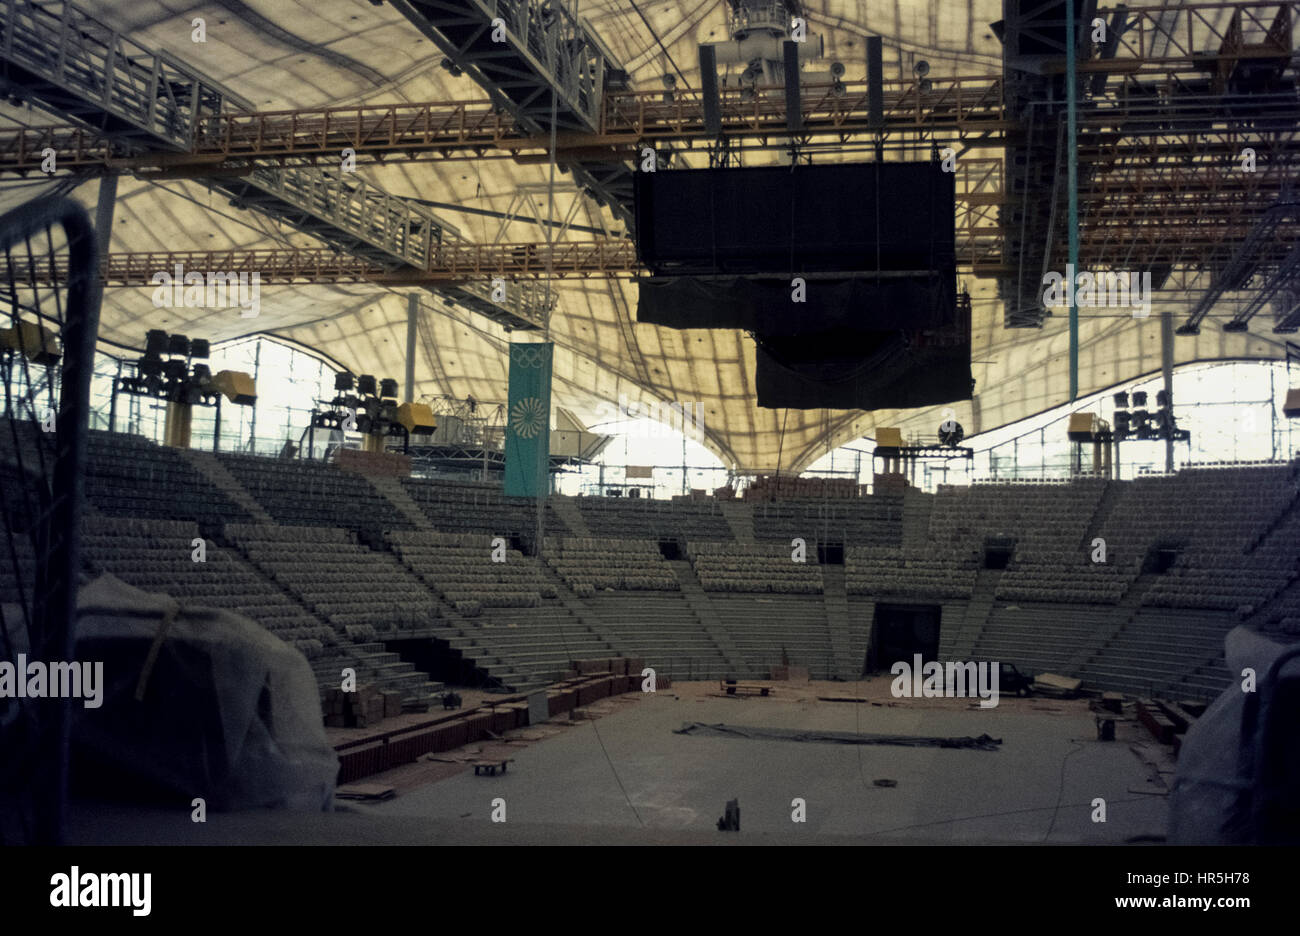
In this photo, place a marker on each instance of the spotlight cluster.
(1136, 421)
(171, 369)
(361, 404)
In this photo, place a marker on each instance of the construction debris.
(1056, 686)
(366, 792)
(982, 743)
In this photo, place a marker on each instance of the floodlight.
(155, 343)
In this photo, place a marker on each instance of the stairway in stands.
(836, 600)
(1101, 515)
(584, 614)
(740, 518)
(917, 506)
(206, 464)
(708, 619)
(396, 495)
(962, 643)
(1289, 507)
(568, 512)
(380, 669)
(1126, 610)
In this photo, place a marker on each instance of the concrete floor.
(565, 789)
(680, 783)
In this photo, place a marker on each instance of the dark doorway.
(902, 631)
(831, 554)
(1160, 559)
(998, 552)
(670, 549)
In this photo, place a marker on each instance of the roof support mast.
(1072, 182)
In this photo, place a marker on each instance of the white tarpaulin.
(196, 702)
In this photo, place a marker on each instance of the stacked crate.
(363, 708)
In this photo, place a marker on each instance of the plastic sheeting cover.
(229, 712)
(1210, 803)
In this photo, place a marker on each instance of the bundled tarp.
(981, 743)
(196, 702)
(1235, 783)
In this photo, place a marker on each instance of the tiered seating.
(459, 567)
(865, 521)
(1204, 578)
(770, 631)
(1042, 637)
(308, 493)
(310, 579)
(459, 507)
(1281, 616)
(527, 647)
(363, 594)
(129, 476)
(158, 556)
(21, 506)
(762, 567)
(1164, 652)
(1043, 518)
(1066, 576)
(681, 520)
(778, 487)
(518, 634)
(661, 629)
(1217, 510)
(590, 564)
(1281, 551)
(891, 571)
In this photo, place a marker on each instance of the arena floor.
(626, 777)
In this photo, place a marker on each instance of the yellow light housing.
(34, 340)
(238, 387)
(416, 417)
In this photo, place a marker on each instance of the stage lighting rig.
(167, 372)
(371, 410)
(1143, 424)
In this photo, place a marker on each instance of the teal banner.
(528, 423)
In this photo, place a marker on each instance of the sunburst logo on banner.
(527, 417)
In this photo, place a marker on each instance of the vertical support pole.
(1167, 374)
(545, 451)
(1072, 182)
(104, 214)
(112, 400)
(684, 488)
(252, 420)
(412, 315)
